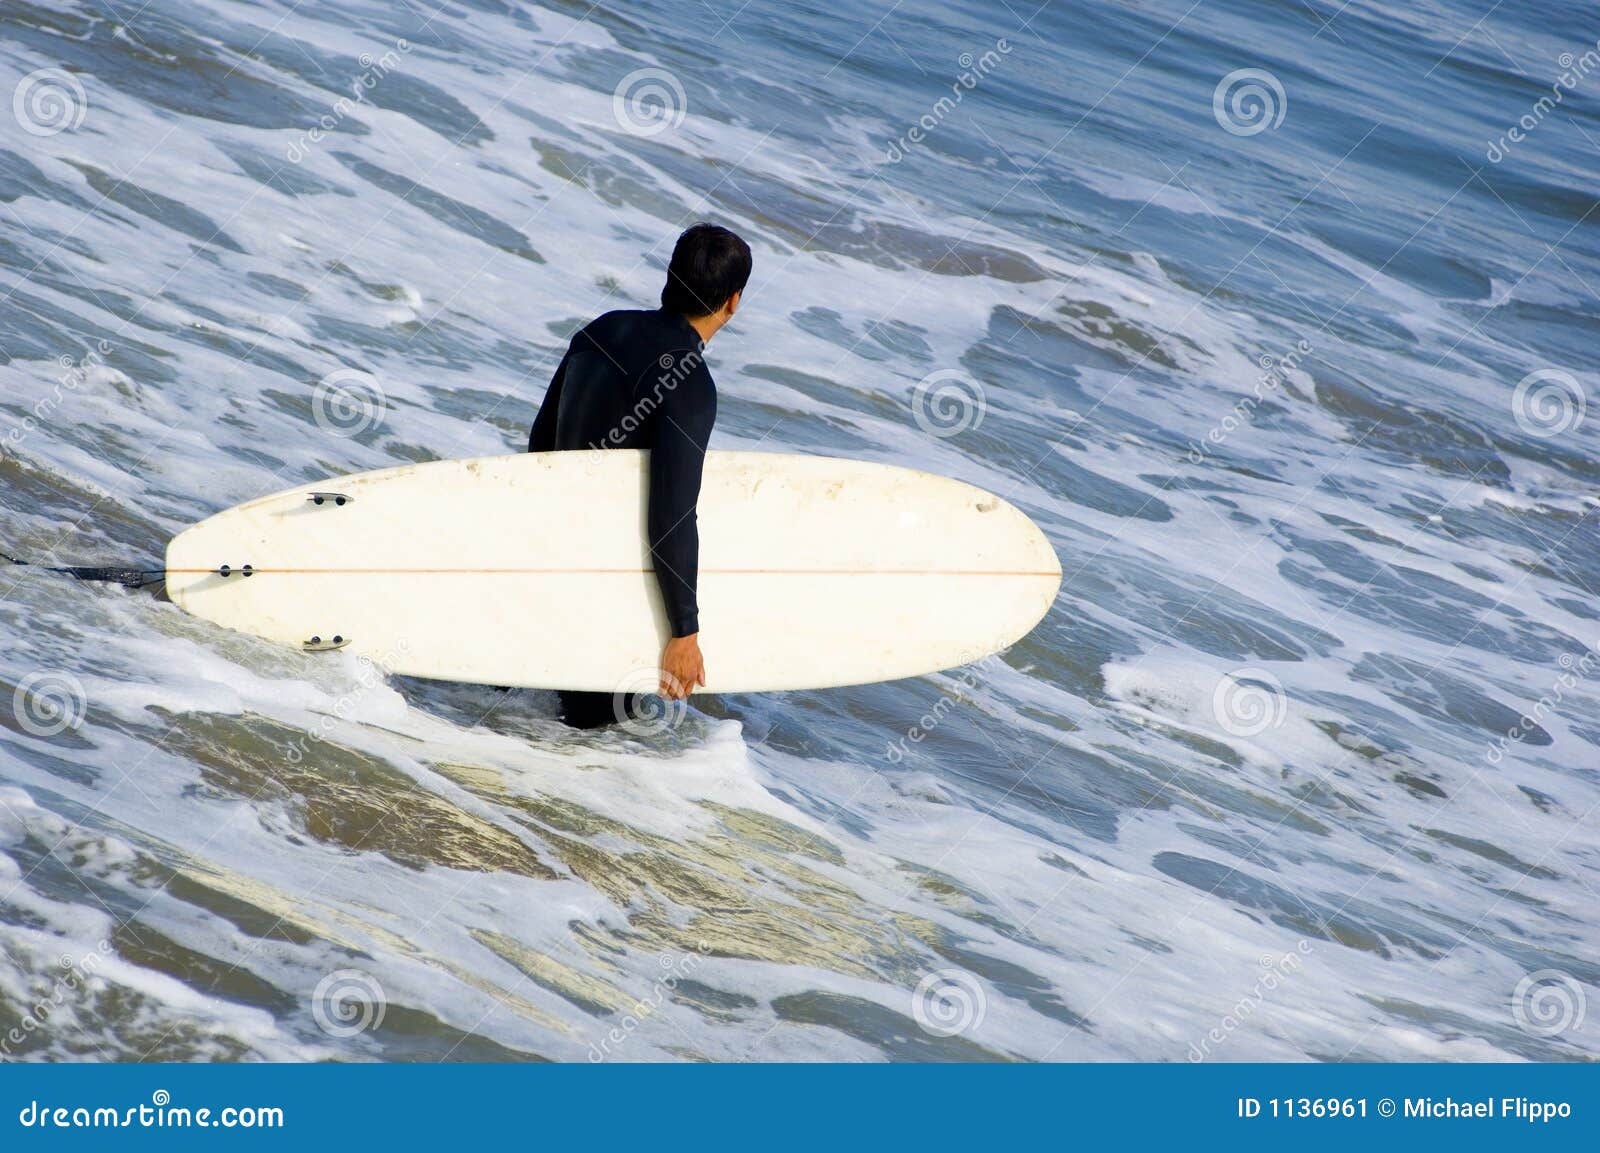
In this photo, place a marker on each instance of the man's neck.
(707, 325)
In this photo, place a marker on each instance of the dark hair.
(709, 264)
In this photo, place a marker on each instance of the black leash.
(133, 578)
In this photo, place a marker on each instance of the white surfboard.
(533, 570)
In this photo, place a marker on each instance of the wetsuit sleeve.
(543, 436)
(677, 458)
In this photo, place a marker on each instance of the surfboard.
(533, 570)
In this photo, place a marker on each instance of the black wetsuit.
(638, 379)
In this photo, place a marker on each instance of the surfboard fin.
(133, 578)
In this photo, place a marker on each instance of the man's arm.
(683, 420)
(543, 436)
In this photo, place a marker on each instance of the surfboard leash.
(133, 578)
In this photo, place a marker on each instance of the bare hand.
(682, 667)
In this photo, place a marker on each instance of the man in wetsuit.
(638, 379)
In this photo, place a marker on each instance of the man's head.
(709, 269)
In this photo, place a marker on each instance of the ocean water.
(1279, 319)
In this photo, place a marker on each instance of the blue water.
(1278, 318)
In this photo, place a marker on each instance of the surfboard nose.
(1038, 566)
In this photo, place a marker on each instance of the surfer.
(638, 379)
